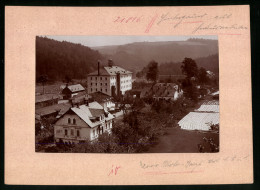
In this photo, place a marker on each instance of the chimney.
(98, 67)
(118, 84)
(110, 62)
(86, 102)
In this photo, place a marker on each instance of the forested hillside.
(209, 63)
(137, 55)
(59, 59)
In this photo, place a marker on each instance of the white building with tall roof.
(111, 80)
(83, 123)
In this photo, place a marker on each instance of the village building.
(111, 80)
(51, 111)
(71, 90)
(83, 123)
(105, 100)
(162, 91)
(202, 118)
(46, 100)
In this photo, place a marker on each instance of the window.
(106, 90)
(100, 78)
(94, 132)
(66, 132)
(91, 84)
(101, 89)
(106, 78)
(96, 84)
(78, 133)
(90, 78)
(91, 89)
(69, 120)
(100, 84)
(106, 84)
(72, 132)
(96, 89)
(96, 78)
(74, 121)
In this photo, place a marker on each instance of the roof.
(95, 105)
(199, 121)
(81, 94)
(93, 110)
(211, 102)
(164, 89)
(75, 87)
(208, 108)
(46, 97)
(60, 108)
(106, 71)
(96, 112)
(101, 97)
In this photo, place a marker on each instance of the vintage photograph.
(127, 94)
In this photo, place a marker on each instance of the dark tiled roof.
(106, 71)
(60, 108)
(96, 112)
(102, 72)
(100, 97)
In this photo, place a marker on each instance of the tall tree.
(202, 76)
(152, 73)
(189, 68)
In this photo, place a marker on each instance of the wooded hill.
(59, 59)
(137, 55)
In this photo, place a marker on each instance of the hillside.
(209, 63)
(137, 55)
(59, 59)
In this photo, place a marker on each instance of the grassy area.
(177, 140)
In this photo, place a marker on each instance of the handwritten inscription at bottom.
(188, 166)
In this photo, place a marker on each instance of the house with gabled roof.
(72, 90)
(162, 91)
(83, 123)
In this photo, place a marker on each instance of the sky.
(93, 41)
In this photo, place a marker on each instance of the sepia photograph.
(127, 94)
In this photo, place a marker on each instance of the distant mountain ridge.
(59, 59)
(137, 55)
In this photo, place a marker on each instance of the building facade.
(83, 123)
(111, 80)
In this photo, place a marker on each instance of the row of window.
(98, 131)
(71, 132)
(92, 90)
(126, 81)
(112, 78)
(126, 86)
(96, 84)
(101, 78)
(69, 121)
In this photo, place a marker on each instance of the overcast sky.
(93, 41)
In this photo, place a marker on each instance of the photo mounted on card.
(147, 95)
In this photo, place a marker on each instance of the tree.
(202, 76)
(67, 79)
(152, 73)
(189, 68)
(43, 79)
